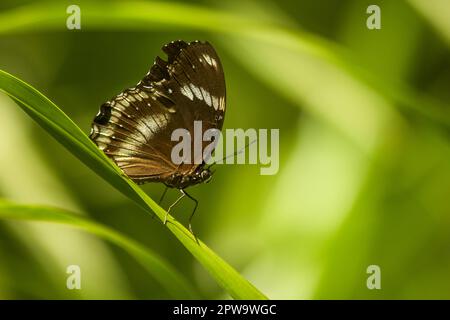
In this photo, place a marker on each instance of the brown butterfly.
(134, 129)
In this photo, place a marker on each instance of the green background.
(364, 173)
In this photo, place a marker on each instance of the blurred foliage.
(364, 147)
(172, 281)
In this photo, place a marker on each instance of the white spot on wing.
(101, 146)
(222, 103)
(196, 91)
(105, 139)
(152, 124)
(207, 58)
(116, 113)
(187, 92)
(210, 60)
(207, 97)
(118, 105)
(106, 131)
(215, 102)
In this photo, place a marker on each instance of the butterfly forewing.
(135, 127)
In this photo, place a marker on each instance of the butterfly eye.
(205, 175)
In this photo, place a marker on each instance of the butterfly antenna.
(235, 153)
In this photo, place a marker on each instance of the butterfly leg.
(161, 199)
(195, 208)
(163, 195)
(172, 205)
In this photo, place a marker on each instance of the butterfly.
(134, 128)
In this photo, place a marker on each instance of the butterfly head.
(202, 175)
(181, 181)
